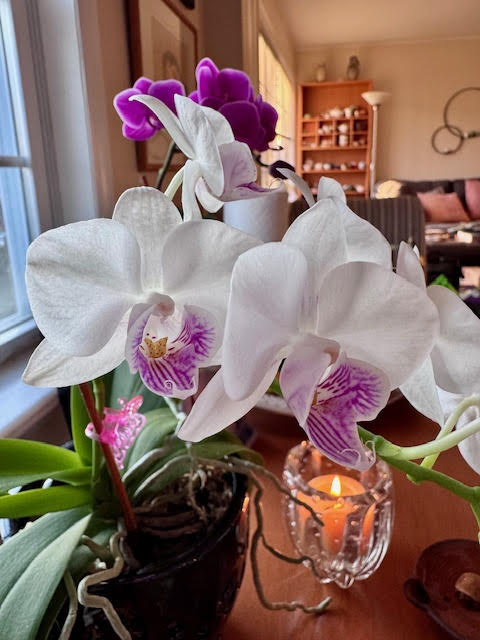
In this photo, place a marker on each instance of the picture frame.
(163, 45)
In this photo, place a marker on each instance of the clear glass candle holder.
(356, 509)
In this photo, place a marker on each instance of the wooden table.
(375, 609)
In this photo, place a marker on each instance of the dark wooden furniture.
(375, 609)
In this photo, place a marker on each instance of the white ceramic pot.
(265, 217)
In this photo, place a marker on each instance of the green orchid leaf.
(76, 477)
(125, 385)
(81, 558)
(224, 444)
(24, 461)
(25, 602)
(80, 419)
(443, 281)
(160, 424)
(275, 388)
(216, 447)
(18, 552)
(37, 502)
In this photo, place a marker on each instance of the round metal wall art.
(459, 134)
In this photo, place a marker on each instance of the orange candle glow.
(334, 513)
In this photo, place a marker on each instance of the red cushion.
(443, 207)
(472, 196)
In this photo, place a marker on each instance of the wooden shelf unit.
(317, 98)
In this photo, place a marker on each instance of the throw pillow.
(472, 196)
(443, 207)
(388, 189)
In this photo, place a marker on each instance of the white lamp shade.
(375, 98)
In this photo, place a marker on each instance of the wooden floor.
(375, 609)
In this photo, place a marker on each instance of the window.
(276, 88)
(18, 216)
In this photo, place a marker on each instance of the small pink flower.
(120, 427)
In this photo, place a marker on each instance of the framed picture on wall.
(163, 46)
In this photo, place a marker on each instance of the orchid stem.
(448, 427)
(119, 487)
(175, 183)
(172, 148)
(439, 445)
(423, 474)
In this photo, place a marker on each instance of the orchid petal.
(377, 317)
(169, 121)
(268, 287)
(140, 133)
(329, 188)
(214, 410)
(350, 390)
(167, 350)
(150, 216)
(221, 127)
(319, 234)
(456, 355)
(201, 136)
(421, 392)
(238, 165)
(191, 175)
(197, 263)
(48, 367)
(165, 90)
(409, 267)
(233, 84)
(244, 120)
(300, 183)
(142, 84)
(302, 370)
(207, 200)
(81, 279)
(365, 243)
(132, 113)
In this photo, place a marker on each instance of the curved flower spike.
(218, 168)
(454, 362)
(136, 295)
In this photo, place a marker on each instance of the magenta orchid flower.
(218, 168)
(143, 287)
(346, 331)
(139, 123)
(230, 92)
(120, 427)
(454, 361)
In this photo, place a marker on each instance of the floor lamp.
(374, 99)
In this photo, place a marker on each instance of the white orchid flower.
(143, 286)
(348, 333)
(454, 362)
(218, 168)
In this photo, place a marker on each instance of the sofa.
(452, 220)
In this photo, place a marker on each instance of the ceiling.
(313, 23)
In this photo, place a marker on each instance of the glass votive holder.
(356, 509)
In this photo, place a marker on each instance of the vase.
(187, 599)
(265, 217)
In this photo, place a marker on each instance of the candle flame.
(336, 488)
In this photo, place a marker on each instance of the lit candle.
(334, 513)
